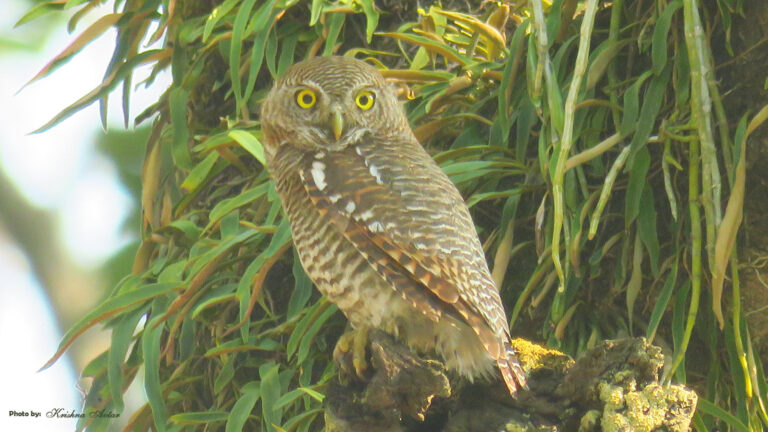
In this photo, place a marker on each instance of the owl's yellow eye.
(365, 100)
(306, 98)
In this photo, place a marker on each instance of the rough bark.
(613, 387)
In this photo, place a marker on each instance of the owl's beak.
(337, 123)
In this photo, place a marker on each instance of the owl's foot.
(354, 342)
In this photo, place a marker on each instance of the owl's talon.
(352, 342)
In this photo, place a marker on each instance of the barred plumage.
(379, 228)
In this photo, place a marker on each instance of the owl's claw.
(353, 341)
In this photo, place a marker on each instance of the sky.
(59, 171)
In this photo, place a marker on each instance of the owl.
(379, 228)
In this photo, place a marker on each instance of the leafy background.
(604, 163)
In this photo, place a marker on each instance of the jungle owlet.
(379, 228)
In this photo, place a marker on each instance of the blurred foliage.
(589, 138)
(124, 148)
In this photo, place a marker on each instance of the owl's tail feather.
(511, 371)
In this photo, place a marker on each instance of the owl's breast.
(335, 266)
(349, 279)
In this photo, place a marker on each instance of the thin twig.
(592, 152)
(582, 58)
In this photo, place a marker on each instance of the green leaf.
(660, 38)
(280, 238)
(199, 173)
(315, 11)
(190, 230)
(313, 393)
(450, 53)
(735, 351)
(122, 334)
(102, 90)
(662, 301)
(601, 61)
(301, 327)
(334, 23)
(87, 36)
(654, 96)
(173, 273)
(682, 75)
(636, 279)
(220, 249)
(202, 417)
(271, 53)
(225, 375)
(109, 308)
(303, 421)
(187, 341)
(243, 407)
(212, 298)
(637, 179)
(302, 290)
(250, 143)
(270, 394)
(287, 50)
(632, 105)
(291, 396)
(40, 10)
(456, 168)
(230, 224)
(288, 398)
(217, 14)
(605, 192)
(679, 313)
(260, 27)
(226, 206)
(213, 142)
(180, 147)
(708, 407)
(646, 223)
(97, 365)
(476, 198)
(371, 18)
(554, 100)
(150, 346)
(235, 49)
(309, 336)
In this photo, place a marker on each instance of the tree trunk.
(614, 386)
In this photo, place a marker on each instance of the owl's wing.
(420, 229)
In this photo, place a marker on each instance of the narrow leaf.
(660, 38)
(243, 407)
(250, 143)
(107, 309)
(150, 345)
(87, 36)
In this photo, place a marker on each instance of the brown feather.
(376, 221)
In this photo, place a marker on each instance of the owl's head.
(329, 103)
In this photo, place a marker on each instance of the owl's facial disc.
(330, 103)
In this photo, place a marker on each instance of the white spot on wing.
(318, 174)
(371, 167)
(366, 215)
(334, 198)
(375, 226)
(350, 207)
(375, 172)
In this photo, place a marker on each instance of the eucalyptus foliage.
(589, 139)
